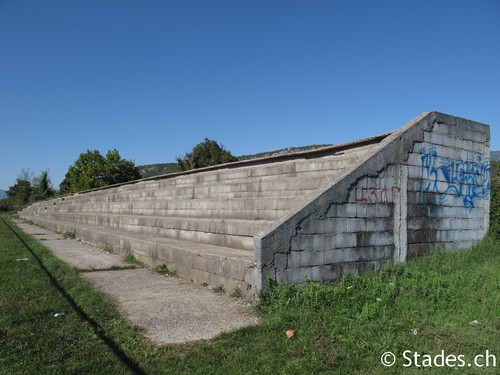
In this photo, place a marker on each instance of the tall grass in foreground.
(426, 306)
(444, 301)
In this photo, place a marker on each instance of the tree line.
(93, 170)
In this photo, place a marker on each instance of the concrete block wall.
(200, 224)
(448, 187)
(315, 215)
(424, 186)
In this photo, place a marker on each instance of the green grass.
(220, 289)
(163, 269)
(70, 234)
(32, 291)
(130, 258)
(350, 324)
(342, 328)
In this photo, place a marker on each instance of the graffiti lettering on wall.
(374, 195)
(468, 180)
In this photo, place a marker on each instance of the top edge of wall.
(309, 154)
(433, 116)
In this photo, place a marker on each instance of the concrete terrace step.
(264, 203)
(216, 214)
(327, 207)
(201, 224)
(241, 189)
(246, 188)
(225, 232)
(243, 208)
(201, 263)
(295, 170)
(291, 168)
(123, 222)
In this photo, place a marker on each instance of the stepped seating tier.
(197, 262)
(233, 233)
(201, 224)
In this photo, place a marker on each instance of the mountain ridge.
(152, 170)
(495, 156)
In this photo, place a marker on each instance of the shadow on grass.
(99, 331)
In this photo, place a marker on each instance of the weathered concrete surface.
(200, 224)
(80, 255)
(170, 310)
(425, 186)
(315, 215)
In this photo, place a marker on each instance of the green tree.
(42, 187)
(92, 170)
(119, 170)
(87, 172)
(64, 186)
(495, 200)
(19, 194)
(205, 154)
(5, 205)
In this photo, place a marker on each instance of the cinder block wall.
(201, 223)
(314, 215)
(423, 187)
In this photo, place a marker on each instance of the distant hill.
(3, 194)
(283, 151)
(151, 170)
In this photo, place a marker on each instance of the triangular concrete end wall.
(424, 186)
(314, 215)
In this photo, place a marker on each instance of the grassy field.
(442, 303)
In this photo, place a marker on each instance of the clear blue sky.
(153, 78)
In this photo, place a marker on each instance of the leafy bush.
(495, 208)
(205, 154)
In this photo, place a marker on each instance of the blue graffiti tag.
(468, 180)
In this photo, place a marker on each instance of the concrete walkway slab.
(170, 310)
(80, 255)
